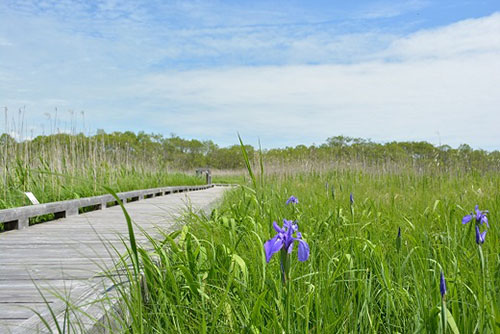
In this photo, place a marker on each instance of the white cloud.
(413, 98)
(378, 100)
(120, 67)
(464, 38)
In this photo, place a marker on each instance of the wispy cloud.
(209, 69)
(387, 9)
(378, 100)
(413, 98)
(466, 38)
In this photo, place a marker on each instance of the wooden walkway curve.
(66, 254)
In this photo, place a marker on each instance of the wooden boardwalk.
(67, 255)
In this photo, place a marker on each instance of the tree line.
(151, 151)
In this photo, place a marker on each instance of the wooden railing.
(19, 218)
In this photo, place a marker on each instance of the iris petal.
(277, 228)
(480, 236)
(287, 223)
(483, 236)
(466, 219)
(272, 246)
(484, 219)
(292, 200)
(442, 285)
(303, 250)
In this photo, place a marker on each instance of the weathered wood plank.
(67, 256)
(21, 310)
(69, 208)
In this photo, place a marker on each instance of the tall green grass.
(72, 167)
(211, 277)
(48, 186)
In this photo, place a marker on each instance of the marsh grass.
(50, 183)
(67, 165)
(211, 276)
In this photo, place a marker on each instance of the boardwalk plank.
(67, 256)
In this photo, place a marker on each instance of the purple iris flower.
(398, 240)
(284, 241)
(351, 198)
(480, 236)
(480, 217)
(442, 285)
(293, 200)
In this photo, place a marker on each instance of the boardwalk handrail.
(19, 217)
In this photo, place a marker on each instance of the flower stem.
(288, 313)
(443, 314)
(483, 293)
(285, 275)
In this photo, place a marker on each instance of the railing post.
(19, 218)
(207, 172)
(22, 223)
(72, 212)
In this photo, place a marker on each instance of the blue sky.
(287, 72)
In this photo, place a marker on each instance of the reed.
(374, 267)
(64, 166)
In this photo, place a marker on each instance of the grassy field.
(65, 167)
(360, 276)
(50, 187)
(62, 166)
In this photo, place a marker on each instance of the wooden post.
(22, 223)
(207, 172)
(18, 218)
(72, 212)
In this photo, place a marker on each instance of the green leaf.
(451, 322)
(436, 203)
(236, 259)
(131, 234)
(247, 162)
